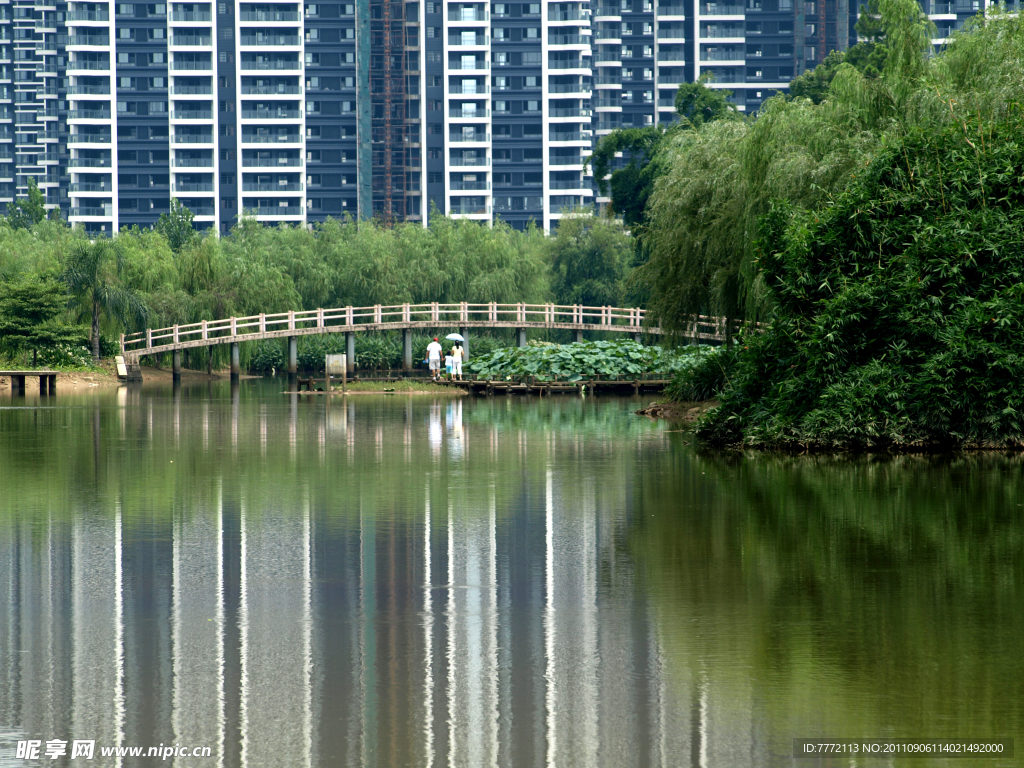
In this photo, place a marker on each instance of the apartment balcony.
(98, 16)
(468, 162)
(559, 184)
(575, 14)
(271, 162)
(191, 41)
(97, 41)
(568, 39)
(562, 161)
(457, 41)
(270, 65)
(206, 186)
(88, 90)
(191, 16)
(271, 114)
(99, 212)
(473, 90)
(461, 15)
(77, 187)
(558, 64)
(469, 186)
(191, 90)
(281, 210)
(470, 210)
(678, 11)
(265, 16)
(256, 187)
(88, 114)
(255, 139)
(676, 57)
(192, 162)
(675, 35)
(89, 138)
(270, 90)
(721, 9)
(189, 138)
(476, 138)
(88, 66)
(570, 112)
(464, 66)
(561, 136)
(468, 114)
(192, 114)
(262, 39)
(568, 88)
(191, 66)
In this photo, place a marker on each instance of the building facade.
(299, 111)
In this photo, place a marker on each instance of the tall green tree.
(31, 316)
(176, 226)
(589, 255)
(631, 185)
(27, 211)
(93, 274)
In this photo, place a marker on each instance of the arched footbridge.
(402, 317)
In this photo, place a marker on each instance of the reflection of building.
(475, 632)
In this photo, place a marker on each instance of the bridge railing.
(501, 315)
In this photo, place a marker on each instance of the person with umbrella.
(457, 354)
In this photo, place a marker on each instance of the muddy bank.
(680, 413)
(74, 380)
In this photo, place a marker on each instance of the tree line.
(91, 290)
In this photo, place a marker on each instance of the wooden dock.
(591, 385)
(47, 381)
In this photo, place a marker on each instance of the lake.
(418, 581)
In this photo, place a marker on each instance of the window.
(501, 106)
(533, 106)
(534, 9)
(227, 178)
(531, 82)
(532, 33)
(158, 58)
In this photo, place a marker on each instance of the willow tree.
(704, 213)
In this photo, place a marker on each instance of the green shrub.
(703, 380)
(900, 306)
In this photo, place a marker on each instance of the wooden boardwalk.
(589, 385)
(403, 317)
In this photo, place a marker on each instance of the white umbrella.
(455, 337)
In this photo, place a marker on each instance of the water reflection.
(386, 581)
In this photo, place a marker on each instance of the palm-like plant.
(93, 274)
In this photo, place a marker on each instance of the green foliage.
(631, 186)
(900, 307)
(573, 362)
(814, 84)
(699, 105)
(176, 226)
(589, 255)
(32, 316)
(94, 275)
(25, 212)
(706, 378)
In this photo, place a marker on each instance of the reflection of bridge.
(403, 317)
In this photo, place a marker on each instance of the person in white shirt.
(457, 353)
(434, 359)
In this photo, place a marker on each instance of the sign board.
(122, 369)
(335, 365)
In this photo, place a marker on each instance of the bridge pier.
(176, 365)
(464, 333)
(578, 336)
(638, 338)
(236, 364)
(521, 337)
(293, 355)
(350, 352)
(407, 350)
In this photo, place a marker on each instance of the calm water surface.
(410, 581)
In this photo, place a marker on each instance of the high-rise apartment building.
(299, 111)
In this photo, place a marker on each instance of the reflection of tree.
(865, 595)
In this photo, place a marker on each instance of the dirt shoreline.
(679, 413)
